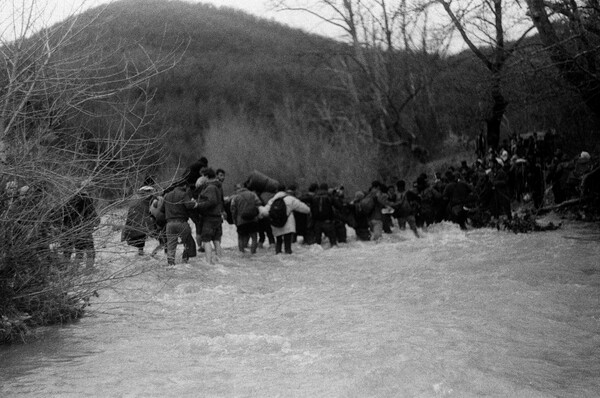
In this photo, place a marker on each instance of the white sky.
(53, 11)
(56, 10)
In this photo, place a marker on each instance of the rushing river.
(476, 314)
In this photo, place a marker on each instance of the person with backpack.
(244, 211)
(176, 206)
(323, 216)
(280, 209)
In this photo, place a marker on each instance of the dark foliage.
(235, 62)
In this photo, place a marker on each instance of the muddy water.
(456, 314)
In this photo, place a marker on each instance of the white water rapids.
(454, 314)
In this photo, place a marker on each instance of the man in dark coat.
(405, 207)
(306, 219)
(78, 222)
(211, 206)
(430, 201)
(500, 204)
(376, 217)
(139, 223)
(176, 205)
(323, 216)
(244, 211)
(360, 217)
(457, 194)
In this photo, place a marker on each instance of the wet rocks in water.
(523, 223)
(519, 223)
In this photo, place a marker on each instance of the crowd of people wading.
(524, 172)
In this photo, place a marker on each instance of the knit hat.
(23, 190)
(201, 181)
(584, 157)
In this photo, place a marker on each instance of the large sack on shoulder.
(155, 209)
(366, 205)
(266, 196)
(260, 182)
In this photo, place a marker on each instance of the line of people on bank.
(474, 194)
(262, 209)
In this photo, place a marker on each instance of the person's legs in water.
(376, 229)
(140, 246)
(243, 241)
(218, 249)
(287, 243)
(278, 244)
(208, 252)
(162, 239)
(330, 232)
(90, 258)
(173, 230)
(198, 222)
(189, 244)
(412, 223)
(387, 223)
(244, 234)
(211, 233)
(254, 242)
(84, 245)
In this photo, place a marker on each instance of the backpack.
(366, 205)
(321, 208)
(278, 213)
(248, 210)
(156, 209)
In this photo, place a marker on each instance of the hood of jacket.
(280, 194)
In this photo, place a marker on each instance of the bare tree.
(570, 32)
(390, 60)
(74, 117)
(482, 25)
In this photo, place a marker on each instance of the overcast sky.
(56, 10)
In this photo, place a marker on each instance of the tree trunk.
(581, 77)
(499, 105)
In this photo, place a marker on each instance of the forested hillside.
(244, 84)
